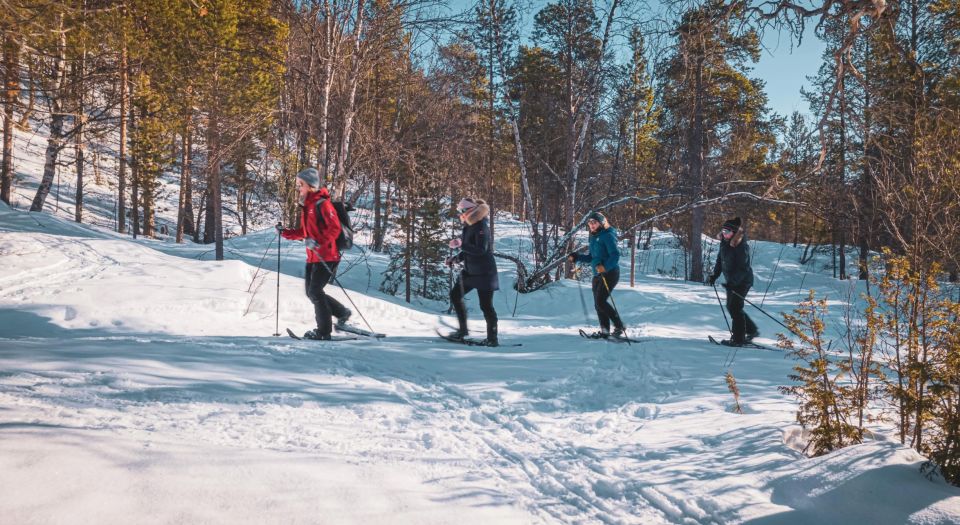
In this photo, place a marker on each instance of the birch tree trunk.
(327, 85)
(584, 114)
(529, 213)
(350, 111)
(55, 142)
(303, 130)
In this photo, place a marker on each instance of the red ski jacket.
(325, 236)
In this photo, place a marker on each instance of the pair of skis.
(610, 337)
(748, 344)
(472, 342)
(355, 331)
(356, 334)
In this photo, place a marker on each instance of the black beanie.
(597, 216)
(732, 224)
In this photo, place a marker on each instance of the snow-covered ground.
(140, 383)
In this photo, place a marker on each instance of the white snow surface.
(140, 383)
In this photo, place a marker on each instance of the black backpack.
(345, 239)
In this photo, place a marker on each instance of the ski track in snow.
(107, 336)
(564, 479)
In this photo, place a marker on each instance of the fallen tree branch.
(538, 278)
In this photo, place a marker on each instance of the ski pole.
(516, 285)
(277, 327)
(762, 311)
(775, 267)
(450, 280)
(728, 360)
(614, 303)
(463, 291)
(583, 302)
(724, 312)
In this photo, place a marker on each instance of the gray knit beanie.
(311, 176)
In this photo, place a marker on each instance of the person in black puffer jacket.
(734, 262)
(479, 268)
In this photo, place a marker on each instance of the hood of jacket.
(477, 214)
(314, 196)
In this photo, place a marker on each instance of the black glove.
(451, 260)
(572, 257)
(712, 280)
(278, 227)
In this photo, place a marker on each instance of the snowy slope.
(139, 382)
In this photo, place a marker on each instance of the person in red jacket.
(320, 237)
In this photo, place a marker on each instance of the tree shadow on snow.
(835, 490)
(146, 367)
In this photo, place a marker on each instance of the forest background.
(649, 113)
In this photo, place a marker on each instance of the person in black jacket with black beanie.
(734, 262)
(479, 268)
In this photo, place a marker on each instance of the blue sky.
(785, 70)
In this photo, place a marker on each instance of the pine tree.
(637, 127)
(714, 125)
(417, 260)
(825, 408)
(943, 443)
(150, 141)
(240, 59)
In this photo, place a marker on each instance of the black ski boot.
(601, 334)
(316, 335)
(458, 335)
(731, 342)
(619, 333)
(342, 320)
(492, 336)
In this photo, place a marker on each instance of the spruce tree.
(824, 396)
(714, 126)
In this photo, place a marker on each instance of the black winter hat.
(732, 224)
(597, 216)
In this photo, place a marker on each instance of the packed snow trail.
(139, 382)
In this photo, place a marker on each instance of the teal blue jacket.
(603, 250)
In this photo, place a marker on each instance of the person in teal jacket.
(604, 259)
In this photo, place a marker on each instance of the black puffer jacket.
(479, 267)
(734, 261)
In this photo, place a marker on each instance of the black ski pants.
(742, 324)
(486, 305)
(601, 292)
(317, 276)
